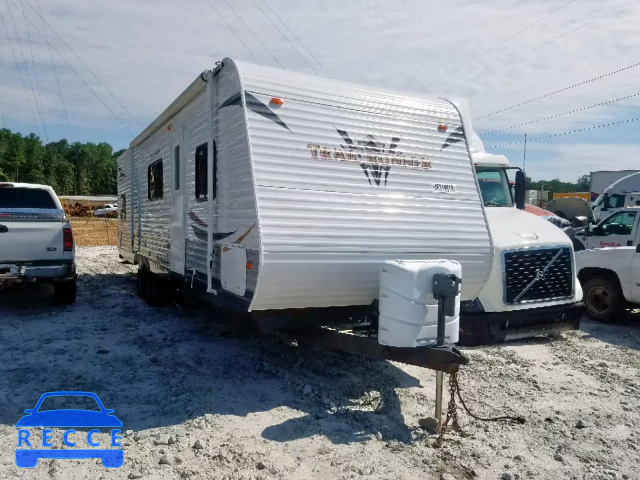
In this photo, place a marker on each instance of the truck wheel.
(603, 299)
(65, 292)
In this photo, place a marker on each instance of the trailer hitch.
(446, 358)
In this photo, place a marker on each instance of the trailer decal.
(373, 156)
(454, 137)
(260, 108)
(199, 229)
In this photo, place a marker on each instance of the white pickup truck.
(620, 229)
(610, 279)
(36, 241)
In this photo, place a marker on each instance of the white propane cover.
(408, 310)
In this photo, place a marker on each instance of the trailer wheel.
(141, 281)
(154, 291)
(603, 299)
(65, 292)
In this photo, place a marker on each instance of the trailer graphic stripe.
(260, 108)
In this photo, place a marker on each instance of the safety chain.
(452, 412)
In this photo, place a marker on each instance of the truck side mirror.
(520, 189)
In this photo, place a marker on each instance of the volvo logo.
(540, 274)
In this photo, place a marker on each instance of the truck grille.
(537, 274)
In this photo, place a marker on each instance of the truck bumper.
(484, 328)
(38, 269)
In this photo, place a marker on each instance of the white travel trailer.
(274, 190)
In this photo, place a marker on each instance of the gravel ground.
(199, 399)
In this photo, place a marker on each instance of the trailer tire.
(141, 281)
(603, 299)
(65, 292)
(154, 292)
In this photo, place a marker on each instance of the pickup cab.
(610, 279)
(620, 229)
(36, 241)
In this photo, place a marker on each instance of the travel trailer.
(280, 193)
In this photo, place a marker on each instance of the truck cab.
(532, 287)
(620, 229)
(621, 194)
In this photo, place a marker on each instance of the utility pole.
(524, 159)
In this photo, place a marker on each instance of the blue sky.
(146, 52)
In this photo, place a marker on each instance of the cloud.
(147, 52)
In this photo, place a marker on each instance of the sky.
(102, 71)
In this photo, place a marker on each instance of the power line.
(232, 30)
(559, 115)
(284, 36)
(35, 76)
(78, 75)
(500, 43)
(15, 29)
(15, 59)
(558, 91)
(594, 127)
(97, 78)
(296, 37)
(252, 33)
(55, 70)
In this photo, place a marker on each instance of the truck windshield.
(494, 186)
(14, 197)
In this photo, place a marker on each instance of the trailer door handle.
(4, 229)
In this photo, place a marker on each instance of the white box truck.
(271, 190)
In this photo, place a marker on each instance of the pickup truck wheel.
(65, 292)
(603, 299)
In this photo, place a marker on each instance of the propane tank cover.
(407, 306)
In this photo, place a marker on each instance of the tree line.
(558, 186)
(91, 168)
(70, 168)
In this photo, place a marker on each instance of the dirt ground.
(94, 231)
(200, 400)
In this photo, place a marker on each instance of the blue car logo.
(69, 419)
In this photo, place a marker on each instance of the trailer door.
(177, 201)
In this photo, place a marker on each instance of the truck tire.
(603, 299)
(65, 292)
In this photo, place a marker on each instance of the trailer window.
(123, 206)
(176, 167)
(201, 172)
(155, 180)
